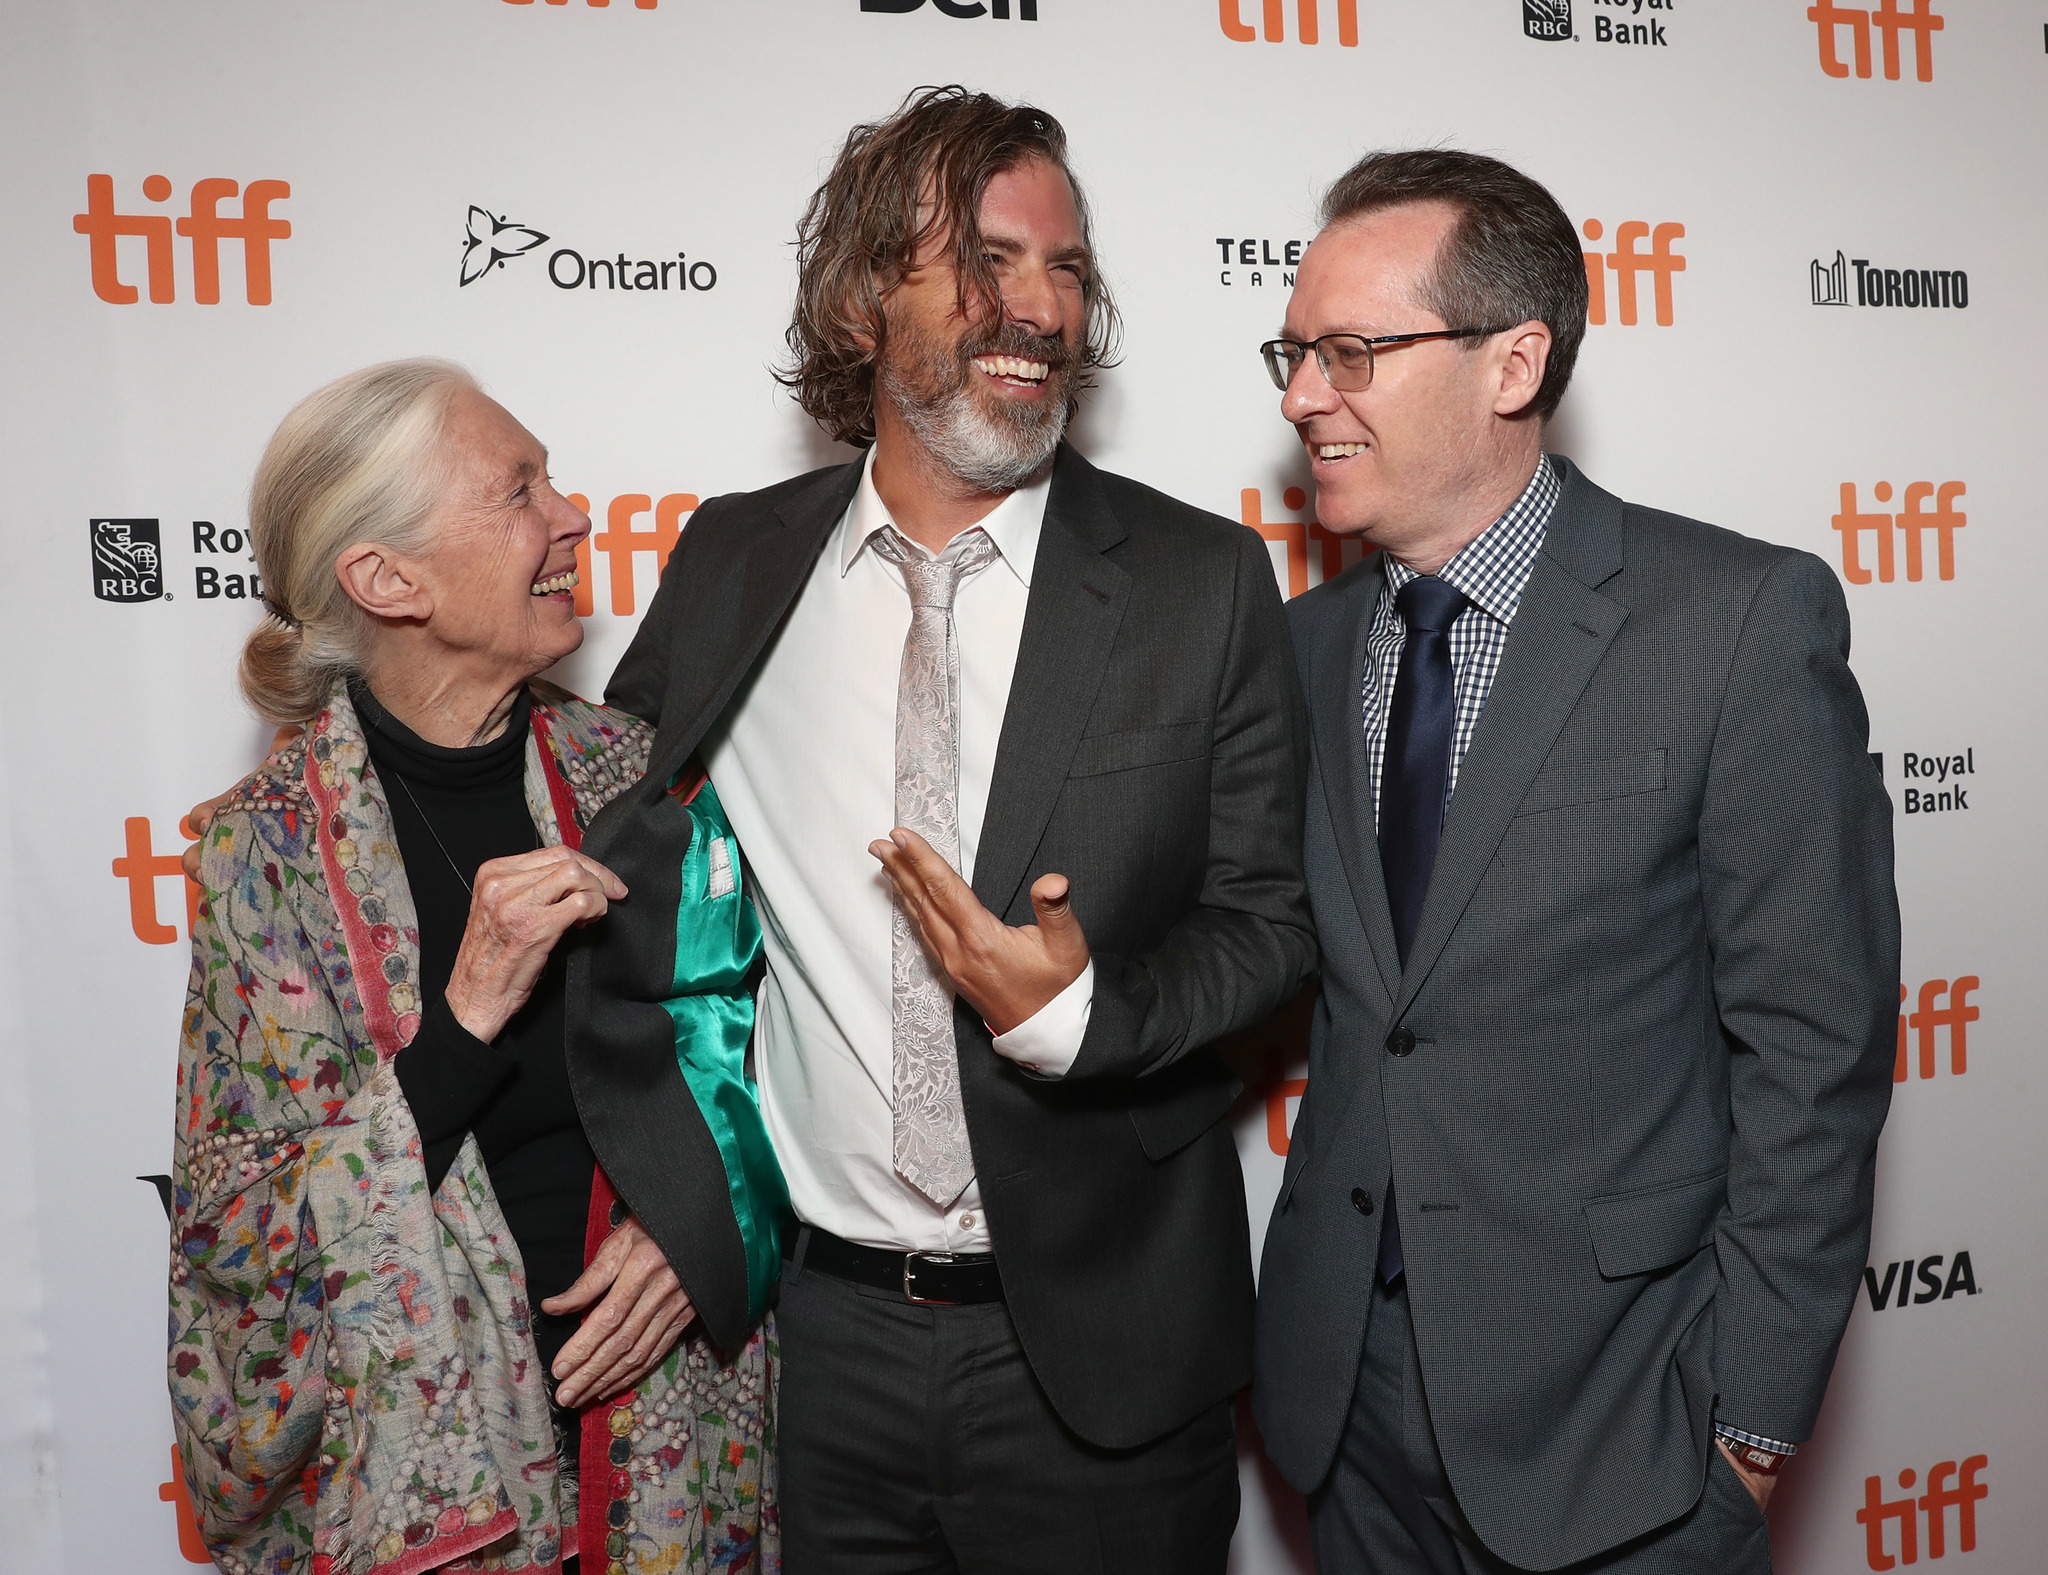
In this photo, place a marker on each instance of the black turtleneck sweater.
(456, 809)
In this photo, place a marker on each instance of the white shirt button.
(967, 1222)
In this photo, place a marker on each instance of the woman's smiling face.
(502, 572)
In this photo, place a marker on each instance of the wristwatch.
(1764, 1456)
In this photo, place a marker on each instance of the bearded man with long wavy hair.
(1015, 751)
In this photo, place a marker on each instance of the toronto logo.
(491, 242)
(127, 560)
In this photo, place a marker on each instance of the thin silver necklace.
(435, 835)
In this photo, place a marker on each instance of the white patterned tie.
(929, 1145)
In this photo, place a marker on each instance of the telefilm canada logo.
(1877, 286)
(127, 560)
(1631, 22)
(492, 240)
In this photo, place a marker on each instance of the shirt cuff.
(1047, 1043)
(1770, 1445)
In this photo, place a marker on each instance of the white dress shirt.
(804, 762)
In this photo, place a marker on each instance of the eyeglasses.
(1346, 359)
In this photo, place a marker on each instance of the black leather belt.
(936, 1279)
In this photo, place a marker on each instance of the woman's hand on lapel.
(521, 906)
(1008, 973)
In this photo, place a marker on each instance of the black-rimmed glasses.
(1346, 359)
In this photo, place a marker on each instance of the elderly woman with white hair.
(389, 1219)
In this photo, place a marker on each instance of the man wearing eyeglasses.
(1578, 1195)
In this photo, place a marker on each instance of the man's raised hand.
(1007, 973)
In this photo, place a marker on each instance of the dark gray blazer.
(1154, 749)
(1651, 999)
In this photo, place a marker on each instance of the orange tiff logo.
(141, 866)
(1944, 521)
(1296, 535)
(1889, 20)
(1660, 262)
(621, 543)
(205, 226)
(1307, 25)
(173, 1493)
(1931, 1015)
(1949, 1486)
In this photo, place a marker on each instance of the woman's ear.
(382, 583)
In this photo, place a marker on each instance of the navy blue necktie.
(1414, 776)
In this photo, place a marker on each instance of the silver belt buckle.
(910, 1263)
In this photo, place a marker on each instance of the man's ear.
(1522, 364)
(382, 583)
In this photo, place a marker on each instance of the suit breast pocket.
(1136, 747)
(1594, 779)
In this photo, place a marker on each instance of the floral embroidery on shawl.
(351, 1360)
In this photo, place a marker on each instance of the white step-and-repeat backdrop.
(1816, 241)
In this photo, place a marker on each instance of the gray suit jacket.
(1652, 998)
(1153, 749)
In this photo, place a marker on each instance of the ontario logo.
(127, 560)
(491, 242)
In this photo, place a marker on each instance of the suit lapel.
(1561, 631)
(1337, 710)
(735, 608)
(1077, 603)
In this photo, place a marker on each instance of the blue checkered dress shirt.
(1492, 570)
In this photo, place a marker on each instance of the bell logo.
(620, 542)
(1295, 536)
(1027, 10)
(1949, 1486)
(142, 867)
(1912, 521)
(1889, 20)
(1660, 262)
(1307, 24)
(205, 226)
(1956, 1017)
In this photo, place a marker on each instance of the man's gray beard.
(989, 452)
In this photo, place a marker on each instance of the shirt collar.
(1014, 524)
(1493, 568)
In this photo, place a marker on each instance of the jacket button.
(1361, 1200)
(1401, 1041)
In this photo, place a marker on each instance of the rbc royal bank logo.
(1548, 20)
(127, 560)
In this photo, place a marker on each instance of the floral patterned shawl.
(351, 1363)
